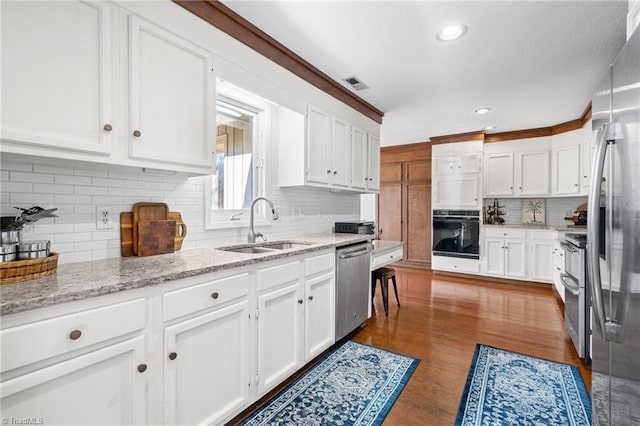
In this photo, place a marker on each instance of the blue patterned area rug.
(355, 385)
(507, 388)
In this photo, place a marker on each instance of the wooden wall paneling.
(390, 211)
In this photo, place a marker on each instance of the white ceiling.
(535, 63)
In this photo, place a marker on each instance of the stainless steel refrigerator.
(613, 245)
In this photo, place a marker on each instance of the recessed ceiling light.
(483, 110)
(451, 32)
(490, 128)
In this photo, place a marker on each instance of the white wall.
(77, 190)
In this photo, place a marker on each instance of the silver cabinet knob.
(137, 133)
(108, 127)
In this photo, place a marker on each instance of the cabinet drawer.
(195, 298)
(455, 264)
(44, 339)
(316, 264)
(385, 258)
(505, 232)
(280, 274)
(542, 234)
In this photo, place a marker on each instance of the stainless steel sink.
(247, 250)
(284, 245)
(265, 247)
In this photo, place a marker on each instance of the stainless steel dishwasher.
(353, 277)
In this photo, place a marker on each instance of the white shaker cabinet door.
(341, 154)
(515, 258)
(359, 159)
(172, 96)
(56, 76)
(566, 170)
(279, 335)
(320, 315)
(318, 146)
(206, 371)
(532, 173)
(498, 177)
(106, 386)
(373, 169)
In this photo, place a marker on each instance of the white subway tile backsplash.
(72, 180)
(29, 199)
(76, 192)
(91, 172)
(53, 188)
(31, 177)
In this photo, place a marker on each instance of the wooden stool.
(384, 274)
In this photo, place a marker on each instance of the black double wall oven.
(456, 233)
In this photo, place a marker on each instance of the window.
(243, 129)
(232, 183)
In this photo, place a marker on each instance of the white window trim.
(221, 218)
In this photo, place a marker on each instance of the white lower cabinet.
(279, 323)
(106, 385)
(558, 268)
(320, 300)
(77, 363)
(206, 366)
(518, 253)
(197, 350)
(541, 255)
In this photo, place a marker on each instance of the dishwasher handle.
(350, 254)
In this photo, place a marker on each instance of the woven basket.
(23, 270)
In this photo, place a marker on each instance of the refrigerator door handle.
(593, 234)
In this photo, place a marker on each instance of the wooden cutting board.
(156, 237)
(126, 232)
(147, 211)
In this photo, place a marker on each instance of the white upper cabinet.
(456, 175)
(90, 81)
(373, 164)
(337, 154)
(531, 175)
(318, 146)
(57, 77)
(341, 154)
(172, 95)
(359, 159)
(498, 174)
(566, 161)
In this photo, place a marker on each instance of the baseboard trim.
(495, 279)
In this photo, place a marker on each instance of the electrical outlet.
(104, 218)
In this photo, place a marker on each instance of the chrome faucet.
(252, 234)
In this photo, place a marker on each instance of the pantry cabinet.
(107, 87)
(58, 77)
(404, 203)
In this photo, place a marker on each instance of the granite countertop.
(76, 281)
(383, 246)
(560, 228)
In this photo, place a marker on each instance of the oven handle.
(575, 290)
(568, 247)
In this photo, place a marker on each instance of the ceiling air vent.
(355, 83)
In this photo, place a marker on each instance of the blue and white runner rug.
(507, 388)
(355, 385)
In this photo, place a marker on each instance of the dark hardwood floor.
(441, 319)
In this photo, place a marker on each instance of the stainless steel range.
(577, 297)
